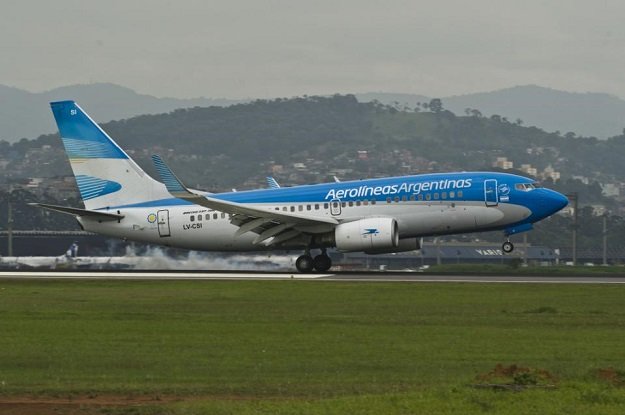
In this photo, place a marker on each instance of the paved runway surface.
(339, 276)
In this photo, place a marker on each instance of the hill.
(586, 114)
(310, 139)
(27, 114)
(224, 147)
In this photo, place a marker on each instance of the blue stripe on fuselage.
(471, 185)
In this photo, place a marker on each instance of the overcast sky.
(240, 49)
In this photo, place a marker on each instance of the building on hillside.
(527, 168)
(503, 163)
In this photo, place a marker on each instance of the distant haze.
(27, 115)
(276, 48)
(586, 114)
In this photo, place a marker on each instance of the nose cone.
(559, 201)
(555, 201)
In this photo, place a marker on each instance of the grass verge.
(311, 346)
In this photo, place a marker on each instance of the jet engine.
(369, 234)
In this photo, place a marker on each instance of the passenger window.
(420, 197)
(351, 204)
(396, 199)
(199, 217)
(412, 198)
(388, 200)
(452, 195)
(460, 194)
(436, 196)
(316, 206)
(214, 216)
(292, 208)
(192, 218)
(284, 208)
(223, 215)
(358, 203)
(207, 216)
(365, 202)
(373, 201)
(325, 205)
(428, 197)
(308, 207)
(444, 195)
(343, 204)
(404, 198)
(335, 204)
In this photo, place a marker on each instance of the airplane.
(64, 260)
(374, 216)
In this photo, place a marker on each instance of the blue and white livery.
(372, 216)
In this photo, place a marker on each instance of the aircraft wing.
(268, 223)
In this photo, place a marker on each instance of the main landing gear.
(306, 263)
(507, 247)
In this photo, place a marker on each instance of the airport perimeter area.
(82, 346)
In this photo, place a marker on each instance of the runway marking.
(154, 275)
(538, 280)
(342, 277)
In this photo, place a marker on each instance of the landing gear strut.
(306, 263)
(507, 247)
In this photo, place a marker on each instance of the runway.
(338, 276)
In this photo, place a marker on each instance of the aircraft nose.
(557, 201)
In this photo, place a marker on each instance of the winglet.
(172, 183)
(272, 183)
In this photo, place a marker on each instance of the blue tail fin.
(105, 175)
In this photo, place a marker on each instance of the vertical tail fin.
(105, 175)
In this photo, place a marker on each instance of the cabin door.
(490, 192)
(162, 217)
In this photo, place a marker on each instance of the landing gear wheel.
(507, 247)
(304, 264)
(322, 263)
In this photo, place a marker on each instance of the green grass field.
(273, 347)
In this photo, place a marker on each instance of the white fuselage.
(196, 227)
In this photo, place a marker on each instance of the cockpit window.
(526, 187)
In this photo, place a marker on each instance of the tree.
(436, 105)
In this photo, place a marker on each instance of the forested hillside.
(244, 139)
(310, 139)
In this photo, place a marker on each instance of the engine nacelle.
(405, 245)
(369, 234)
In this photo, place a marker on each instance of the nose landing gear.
(507, 247)
(321, 263)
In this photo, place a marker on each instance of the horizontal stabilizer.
(80, 212)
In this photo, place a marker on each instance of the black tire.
(507, 247)
(304, 264)
(322, 263)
